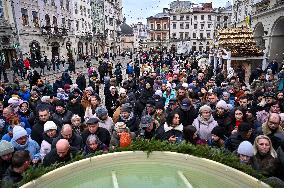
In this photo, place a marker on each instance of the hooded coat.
(203, 127)
(31, 146)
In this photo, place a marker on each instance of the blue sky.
(139, 10)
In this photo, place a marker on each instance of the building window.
(174, 17)
(54, 21)
(47, 20)
(200, 48)
(174, 25)
(61, 4)
(25, 17)
(67, 5)
(174, 35)
(165, 26)
(195, 18)
(77, 25)
(194, 35)
(1, 10)
(81, 10)
(159, 26)
(202, 17)
(158, 37)
(202, 26)
(45, 1)
(194, 43)
(152, 37)
(63, 22)
(209, 26)
(76, 8)
(69, 24)
(187, 26)
(181, 35)
(208, 35)
(225, 18)
(152, 26)
(194, 48)
(187, 17)
(164, 36)
(181, 25)
(181, 17)
(209, 17)
(195, 26)
(35, 18)
(218, 18)
(111, 21)
(52, 3)
(186, 34)
(201, 35)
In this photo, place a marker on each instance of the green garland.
(214, 154)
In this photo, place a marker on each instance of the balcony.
(54, 32)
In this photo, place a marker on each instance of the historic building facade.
(266, 19)
(192, 27)
(46, 28)
(107, 17)
(158, 25)
(140, 32)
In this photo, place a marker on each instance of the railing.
(54, 31)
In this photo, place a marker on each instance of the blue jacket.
(31, 146)
(25, 96)
(171, 96)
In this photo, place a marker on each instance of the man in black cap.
(187, 112)
(147, 127)
(172, 106)
(128, 117)
(93, 128)
(150, 108)
(61, 114)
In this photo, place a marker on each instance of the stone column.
(229, 61)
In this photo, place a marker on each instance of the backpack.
(125, 139)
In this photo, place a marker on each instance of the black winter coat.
(52, 157)
(64, 118)
(11, 178)
(187, 117)
(81, 82)
(38, 130)
(76, 108)
(102, 134)
(75, 141)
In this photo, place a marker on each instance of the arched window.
(47, 20)
(54, 21)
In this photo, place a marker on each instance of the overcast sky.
(138, 10)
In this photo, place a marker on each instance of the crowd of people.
(177, 99)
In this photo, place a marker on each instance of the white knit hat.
(6, 147)
(111, 87)
(159, 93)
(122, 90)
(185, 85)
(19, 132)
(205, 107)
(222, 104)
(245, 148)
(49, 125)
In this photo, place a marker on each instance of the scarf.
(168, 128)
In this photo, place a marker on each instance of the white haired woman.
(205, 122)
(76, 124)
(265, 157)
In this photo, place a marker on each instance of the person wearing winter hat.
(222, 104)
(21, 141)
(105, 121)
(50, 132)
(245, 152)
(127, 116)
(14, 174)
(93, 128)
(205, 122)
(62, 115)
(217, 137)
(6, 153)
(147, 127)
